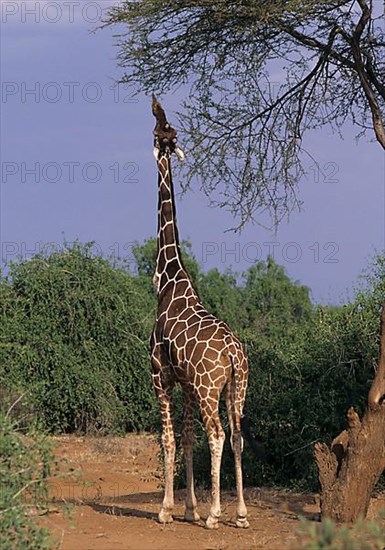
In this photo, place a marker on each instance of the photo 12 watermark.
(71, 491)
(44, 11)
(72, 172)
(253, 251)
(69, 92)
(12, 251)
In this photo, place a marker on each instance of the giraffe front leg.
(216, 437)
(168, 440)
(191, 513)
(164, 394)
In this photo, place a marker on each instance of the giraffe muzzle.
(165, 136)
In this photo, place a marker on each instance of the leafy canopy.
(259, 74)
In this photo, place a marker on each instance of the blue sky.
(76, 159)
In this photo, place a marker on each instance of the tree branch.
(315, 44)
(354, 41)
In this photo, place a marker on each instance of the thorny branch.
(246, 137)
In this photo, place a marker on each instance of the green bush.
(363, 535)
(25, 465)
(75, 332)
(300, 391)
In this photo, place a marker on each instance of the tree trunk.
(349, 469)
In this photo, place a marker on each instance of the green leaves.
(25, 465)
(75, 332)
(363, 534)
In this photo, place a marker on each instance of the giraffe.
(192, 347)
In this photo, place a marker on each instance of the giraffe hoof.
(212, 523)
(191, 516)
(165, 517)
(242, 523)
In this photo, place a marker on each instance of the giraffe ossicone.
(191, 347)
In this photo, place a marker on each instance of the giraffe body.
(194, 348)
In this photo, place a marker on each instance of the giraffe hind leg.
(216, 439)
(236, 440)
(191, 513)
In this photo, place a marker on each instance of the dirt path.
(114, 497)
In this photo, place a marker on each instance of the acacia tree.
(259, 75)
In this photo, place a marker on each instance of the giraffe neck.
(169, 265)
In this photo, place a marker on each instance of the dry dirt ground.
(110, 495)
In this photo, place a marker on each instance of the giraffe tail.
(242, 422)
(254, 443)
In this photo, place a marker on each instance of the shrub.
(75, 334)
(25, 464)
(363, 535)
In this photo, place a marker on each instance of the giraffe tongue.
(158, 113)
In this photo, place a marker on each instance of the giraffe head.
(164, 135)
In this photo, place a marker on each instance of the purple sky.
(77, 164)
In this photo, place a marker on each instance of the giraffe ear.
(180, 154)
(155, 152)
